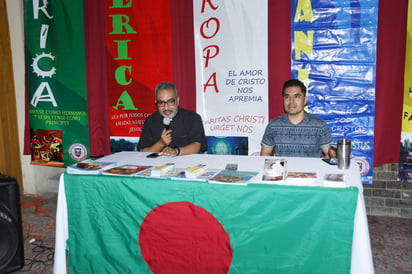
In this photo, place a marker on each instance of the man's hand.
(166, 137)
(189, 149)
(169, 151)
(266, 151)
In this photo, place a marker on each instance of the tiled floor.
(38, 217)
(391, 238)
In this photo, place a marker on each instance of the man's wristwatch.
(178, 151)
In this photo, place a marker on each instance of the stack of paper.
(195, 171)
(161, 170)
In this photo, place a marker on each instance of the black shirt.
(186, 126)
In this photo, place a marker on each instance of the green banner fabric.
(56, 81)
(123, 224)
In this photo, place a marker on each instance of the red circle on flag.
(181, 237)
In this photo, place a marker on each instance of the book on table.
(144, 173)
(300, 177)
(334, 180)
(161, 170)
(274, 170)
(125, 170)
(89, 166)
(205, 176)
(195, 171)
(173, 172)
(233, 177)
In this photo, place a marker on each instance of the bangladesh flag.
(146, 225)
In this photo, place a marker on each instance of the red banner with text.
(139, 55)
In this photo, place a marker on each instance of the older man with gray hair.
(172, 130)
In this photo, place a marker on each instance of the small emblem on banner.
(78, 152)
(364, 165)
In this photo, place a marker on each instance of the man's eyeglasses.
(170, 103)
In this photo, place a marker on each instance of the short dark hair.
(294, 83)
(165, 85)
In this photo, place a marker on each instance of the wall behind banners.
(391, 23)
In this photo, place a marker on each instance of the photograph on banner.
(56, 82)
(231, 53)
(122, 143)
(227, 145)
(405, 158)
(47, 147)
(339, 70)
(139, 56)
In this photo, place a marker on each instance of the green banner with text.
(56, 81)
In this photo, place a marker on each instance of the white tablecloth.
(361, 262)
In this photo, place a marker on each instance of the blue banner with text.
(334, 54)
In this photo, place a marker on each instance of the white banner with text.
(231, 56)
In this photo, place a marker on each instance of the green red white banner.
(56, 81)
(158, 226)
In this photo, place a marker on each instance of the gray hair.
(165, 86)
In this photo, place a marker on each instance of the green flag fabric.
(123, 224)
